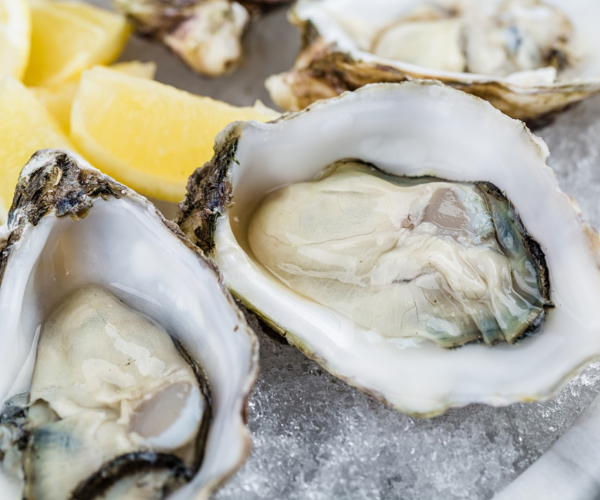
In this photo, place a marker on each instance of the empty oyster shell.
(122, 354)
(529, 58)
(412, 129)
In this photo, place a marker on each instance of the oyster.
(126, 366)
(206, 34)
(406, 131)
(405, 257)
(529, 58)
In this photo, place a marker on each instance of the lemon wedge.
(145, 70)
(58, 98)
(148, 135)
(15, 33)
(25, 127)
(68, 37)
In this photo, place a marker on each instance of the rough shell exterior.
(199, 31)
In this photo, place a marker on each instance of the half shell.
(332, 60)
(71, 226)
(412, 129)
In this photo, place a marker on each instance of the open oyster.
(418, 258)
(125, 364)
(368, 266)
(206, 34)
(529, 58)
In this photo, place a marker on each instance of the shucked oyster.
(405, 257)
(493, 37)
(481, 249)
(206, 34)
(125, 365)
(110, 392)
(527, 57)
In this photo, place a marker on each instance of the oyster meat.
(125, 365)
(110, 391)
(529, 58)
(406, 257)
(490, 37)
(375, 227)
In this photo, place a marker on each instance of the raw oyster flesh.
(404, 257)
(529, 58)
(125, 366)
(486, 37)
(111, 397)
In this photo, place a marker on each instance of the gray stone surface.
(317, 438)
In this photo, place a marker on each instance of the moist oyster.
(125, 364)
(529, 58)
(206, 34)
(409, 130)
(405, 257)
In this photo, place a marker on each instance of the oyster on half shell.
(125, 363)
(529, 58)
(305, 291)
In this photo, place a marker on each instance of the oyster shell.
(121, 352)
(529, 58)
(206, 34)
(412, 129)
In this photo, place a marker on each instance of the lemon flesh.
(25, 127)
(148, 135)
(69, 37)
(58, 98)
(15, 34)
